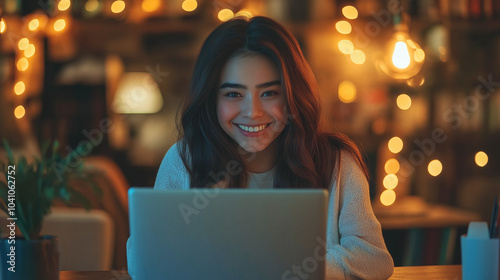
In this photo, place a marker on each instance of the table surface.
(441, 272)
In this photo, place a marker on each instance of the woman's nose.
(252, 107)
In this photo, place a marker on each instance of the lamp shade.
(137, 93)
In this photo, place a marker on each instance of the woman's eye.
(232, 94)
(269, 93)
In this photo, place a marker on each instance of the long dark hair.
(306, 156)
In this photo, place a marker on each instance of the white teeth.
(252, 128)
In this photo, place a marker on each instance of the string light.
(435, 167)
(244, 13)
(59, 25)
(388, 197)
(350, 12)
(92, 5)
(33, 24)
(225, 15)
(22, 64)
(358, 57)
(346, 46)
(343, 27)
(391, 166)
(19, 88)
(347, 92)
(64, 5)
(19, 112)
(395, 145)
(403, 101)
(3, 26)
(118, 6)
(481, 158)
(151, 5)
(29, 51)
(189, 5)
(390, 181)
(23, 43)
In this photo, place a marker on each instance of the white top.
(355, 246)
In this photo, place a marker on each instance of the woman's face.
(251, 104)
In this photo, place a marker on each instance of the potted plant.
(27, 194)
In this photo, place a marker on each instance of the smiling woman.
(250, 107)
(252, 120)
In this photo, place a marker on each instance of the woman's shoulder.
(172, 169)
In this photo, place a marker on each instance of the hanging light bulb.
(403, 57)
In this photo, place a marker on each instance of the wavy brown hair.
(307, 155)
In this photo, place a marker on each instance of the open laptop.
(228, 233)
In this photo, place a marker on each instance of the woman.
(252, 120)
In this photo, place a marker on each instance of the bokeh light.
(23, 43)
(391, 166)
(19, 88)
(395, 144)
(59, 25)
(481, 158)
(435, 167)
(403, 101)
(390, 181)
(346, 46)
(347, 92)
(225, 15)
(388, 197)
(350, 12)
(22, 64)
(118, 6)
(343, 27)
(189, 5)
(358, 57)
(19, 112)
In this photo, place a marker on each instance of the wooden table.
(441, 272)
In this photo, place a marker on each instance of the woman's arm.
(356, 247)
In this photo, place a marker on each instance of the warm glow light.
(388, 197)
(391, 166)
(22, 64)
(33, 24)
(19, 88)
(59, 25)
(350, 12)
(358, 57)
(19, 112)
(29, 51)
(118, 6)
(395, 144)
(189, 5)
(435, 167)
(346, 46)
(390, 181)
(244, 13)
(92, 5)
(419, 55)
(347, 92)
(401, 56)
(403, 101)
(64, 5)
(343, 27)
(3, 26)
(152, 5)
(225, 15)
(23, 43)
(481, 158)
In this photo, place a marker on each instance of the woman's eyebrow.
(263, 85)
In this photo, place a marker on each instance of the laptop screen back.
(228, 233)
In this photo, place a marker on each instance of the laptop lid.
(228, 233)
